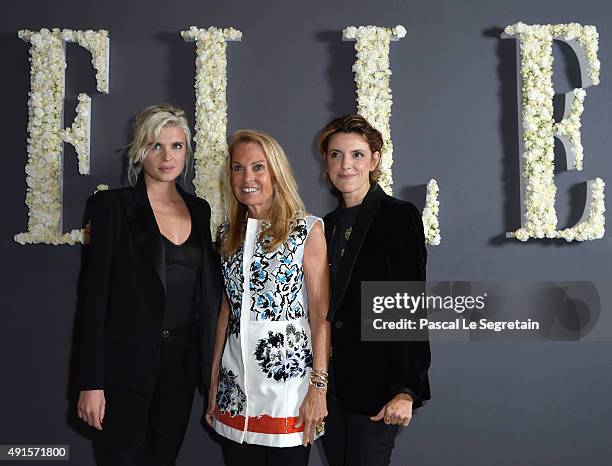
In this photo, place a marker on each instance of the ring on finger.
(320, 427)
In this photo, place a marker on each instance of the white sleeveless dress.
(267, 359)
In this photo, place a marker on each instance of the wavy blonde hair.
(146, 128)
(286, 208)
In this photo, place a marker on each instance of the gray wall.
(454, 118)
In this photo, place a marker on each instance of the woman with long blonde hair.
(269, 374)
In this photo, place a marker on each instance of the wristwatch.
(318, 384)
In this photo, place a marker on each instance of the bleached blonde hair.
(147, 125)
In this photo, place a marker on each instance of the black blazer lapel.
(366, 214)
(145, 230)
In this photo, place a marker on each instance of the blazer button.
(339, 324)
(165, 333)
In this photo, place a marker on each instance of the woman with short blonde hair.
(147, 125)
(153, 288)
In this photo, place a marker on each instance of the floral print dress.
(266, 362)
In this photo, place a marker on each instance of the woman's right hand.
(91, 407)
(212, 404)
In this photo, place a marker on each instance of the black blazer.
(125, 291)
(387, 243)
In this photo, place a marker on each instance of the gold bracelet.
(318, 378)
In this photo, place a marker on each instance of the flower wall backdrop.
(211, 115)
(537, 130)
(374, 100)
(46, 134)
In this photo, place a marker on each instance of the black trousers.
(138, 431)
(246, 454)
(353, 439)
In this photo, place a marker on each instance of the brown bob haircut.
(357, 124)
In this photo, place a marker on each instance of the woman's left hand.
(397, 412)
(312, 413)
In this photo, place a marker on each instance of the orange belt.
(260, 424)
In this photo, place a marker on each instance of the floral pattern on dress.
(268, 305)
(259, 274)
(275, 299)
(281, 360)
(230, 397)
(270, 343)
(295, 240)
(233, 277)
(271, 299)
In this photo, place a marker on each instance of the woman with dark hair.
(374, 386)
(153, 289)
(269, 377)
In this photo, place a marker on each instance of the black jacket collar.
(369, 207)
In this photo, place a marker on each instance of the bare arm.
(220, 336)
(316, 272)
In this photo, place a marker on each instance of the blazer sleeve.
(407, 262)
(97, 293)
(210, 296)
